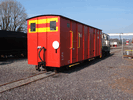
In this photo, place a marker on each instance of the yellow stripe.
(52, 19)
(73, 64)
(32, 21)
(128, 50)
(32, 31)
(45, 29)
(100, 56)
(43, 21)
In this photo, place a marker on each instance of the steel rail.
(24, 81)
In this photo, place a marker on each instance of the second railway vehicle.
(13, 43)
(56, 41)
(105, 44)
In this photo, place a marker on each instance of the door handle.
(72, 39)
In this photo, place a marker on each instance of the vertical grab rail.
(79, 40)
(72, 39)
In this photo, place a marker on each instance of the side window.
(33, 27)
(68, 25)
(52, 25)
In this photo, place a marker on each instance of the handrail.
(79, 40)
(72, 39)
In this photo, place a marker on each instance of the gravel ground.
(12, 69)
(101, 79)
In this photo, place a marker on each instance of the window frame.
(33, 28)
(53, 28)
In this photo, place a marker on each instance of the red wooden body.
(77, 41)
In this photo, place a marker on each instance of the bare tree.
(12, 16)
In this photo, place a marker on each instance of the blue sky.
(112, 16)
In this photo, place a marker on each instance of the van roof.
(63, 17)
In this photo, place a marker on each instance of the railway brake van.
(56, 41)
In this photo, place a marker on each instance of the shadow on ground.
(82, 65)
(9, 60)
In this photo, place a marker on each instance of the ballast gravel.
(109, 78)
(12, 69)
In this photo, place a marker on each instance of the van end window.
(33, 27)
(52, 25)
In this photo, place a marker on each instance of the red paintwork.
(127, 42)
(32, 46)
(90, 42)
(85, 42)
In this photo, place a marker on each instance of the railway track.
(24, 81)
(115, 50)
